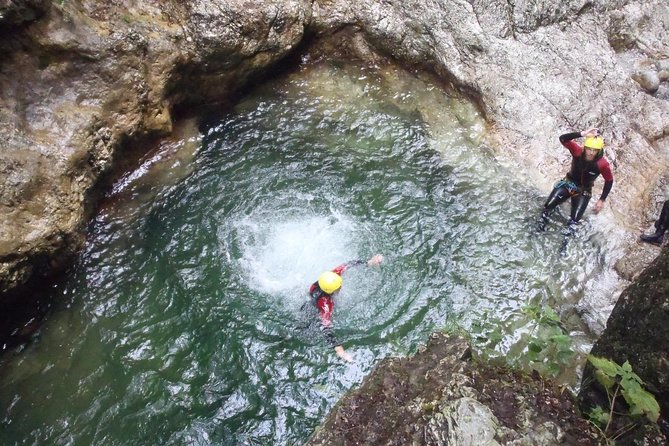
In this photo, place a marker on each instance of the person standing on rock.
(661, 225)
(587, 163)
(324, 289)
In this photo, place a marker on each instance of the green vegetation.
(533, 338)
(542, 345)
(621, 380)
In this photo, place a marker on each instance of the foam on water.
(283, 256)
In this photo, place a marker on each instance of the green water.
(182, 321)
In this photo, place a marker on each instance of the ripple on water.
(183, 321)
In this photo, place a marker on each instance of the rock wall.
(95, 76)
(86, 79)
(442, 396)
(637, 331)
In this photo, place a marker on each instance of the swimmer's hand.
(342, 354)
(375, 260)
(594, 131)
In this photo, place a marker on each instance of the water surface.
(184, 322)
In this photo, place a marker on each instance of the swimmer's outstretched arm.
(332, 340)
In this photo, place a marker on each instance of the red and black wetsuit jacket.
(323, 301)
(583, 173)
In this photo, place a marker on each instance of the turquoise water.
(183, 322)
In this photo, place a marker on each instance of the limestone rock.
(443, 396)
(82, 82)
(648, 80)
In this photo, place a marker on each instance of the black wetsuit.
(662, 223)
(579, 181)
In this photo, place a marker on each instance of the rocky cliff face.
(81, 81)
(637, 331)
(84, 81)
(442, 396)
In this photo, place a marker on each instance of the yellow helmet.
(593, 142)
(329, 282)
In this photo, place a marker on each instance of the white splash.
(283, 257)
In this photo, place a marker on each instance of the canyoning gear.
(655, 239)
(661, 225)
(329, 282)
(594, 142)
(580, 179)
(572, 188)
(322, 299)
(579, 202)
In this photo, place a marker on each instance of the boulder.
(444, 396)
(637, 331)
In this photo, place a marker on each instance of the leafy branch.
(621, 380)
(543, 345)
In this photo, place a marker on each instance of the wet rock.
(648, 80)
(92, 79)
(637, 331)
(468, 422)
(16, 12)
(443, 396)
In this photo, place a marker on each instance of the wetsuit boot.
(571, 227)
(661, 225)
(655, 239)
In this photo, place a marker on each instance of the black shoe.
(570, 229)
(654, 239)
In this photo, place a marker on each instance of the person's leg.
(663, 221)
(579, 204)
(661, 225)
(557, 196)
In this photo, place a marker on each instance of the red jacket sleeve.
(605, 169)
(567, 140)
(344, 266)
(340, 269)
(573, 147)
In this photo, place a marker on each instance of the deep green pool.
(182, 322)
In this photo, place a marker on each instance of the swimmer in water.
(324, 289)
